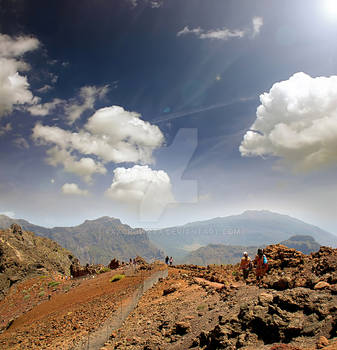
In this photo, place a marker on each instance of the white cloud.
(296, 122)
(112, 134)
(257, 25)
(85, 167)
(14, 88)
(5, 129)
(14, 47)
(73, 189)
(45, 88)
(44, 109)
(74, 107)
(87, 98)
(225, 33)
(140, 186)
(187, 30)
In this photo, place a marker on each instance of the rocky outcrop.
(23, 254)
(289, 268)
(77, 270)
(275, 317)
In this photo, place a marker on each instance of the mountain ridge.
(251, 228)
(96, 241)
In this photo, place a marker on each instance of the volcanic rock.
(23, 255)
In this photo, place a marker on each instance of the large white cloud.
(149, 190)
(112, 134)
(225, 33)
(297, 122)
(14, 87)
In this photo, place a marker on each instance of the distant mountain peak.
(103, 219)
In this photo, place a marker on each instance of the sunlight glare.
(331, 7)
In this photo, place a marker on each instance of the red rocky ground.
(195, 307)
(74, 308)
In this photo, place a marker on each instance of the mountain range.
(251, 228)
(229, 254)
(95, 241)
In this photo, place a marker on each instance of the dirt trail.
(68, 317)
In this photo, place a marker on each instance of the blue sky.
(150, 110)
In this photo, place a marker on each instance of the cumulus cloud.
(73, 189)
(14, 87)
(140, 186)
(296, 122)
(225, 33)
(112, 134)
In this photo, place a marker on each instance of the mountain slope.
(229, 254)
(304, 244)
(96, 241)
(23, 254)
(218, 254)
(252, 228)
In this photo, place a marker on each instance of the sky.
(163, 112)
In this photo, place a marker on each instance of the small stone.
(322, 342)
(182, 327)
(322, 285)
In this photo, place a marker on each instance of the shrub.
(117, 278)
(26, 297)
(53, 284)
(201, 307)
(104, 269)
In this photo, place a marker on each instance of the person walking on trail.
(171, 261)
(261, 264)
(167, 260)
(245, 265)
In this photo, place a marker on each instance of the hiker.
(261, 264)
(245, 265)
(171, 261)
(167, 260)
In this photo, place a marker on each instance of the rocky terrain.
(212, 308)
(196, 307)
(96, 241)
(24, 255)
(50, 313)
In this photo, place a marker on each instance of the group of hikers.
(260, 263)
(169, 260)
